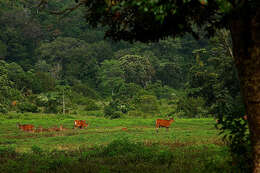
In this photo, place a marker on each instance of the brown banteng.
(54, 129)
(80, 124)
(163, 123)
(124, 129)
(62, 128)
(26, 127)
(40, 129)
(14, 103)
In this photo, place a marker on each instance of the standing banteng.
(163, 123)
(80, 124)
(26, 127)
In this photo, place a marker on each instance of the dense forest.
(58, 64)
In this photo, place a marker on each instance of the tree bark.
(246, 46)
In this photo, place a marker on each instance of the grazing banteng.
(26, 127)
(124, 129)
(80, 124)
(14, 103)
(40, 129)
(163, 123)
(62, 128)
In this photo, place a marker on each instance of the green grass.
(103, 131)
(190, 144)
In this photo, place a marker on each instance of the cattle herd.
(31, 128)
(82, 124)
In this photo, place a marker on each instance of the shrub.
(230, 112)
(52, 105)
(161, 91)
(3, 109)
(91, 105)
(192, 107)
(27, 107)
(147, 104)
(41, 100)
(111, 113)
(79, 99)
(112, 110)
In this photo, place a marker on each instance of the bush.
(53, 102)
(192, 107)
(41, 100)
(3, 109)
(112, 110)
(91, 105)
(79, 99)
(52, 109)
(27, 107)
(230, 112)
(147, 104)
(161, 91)
(111, 113)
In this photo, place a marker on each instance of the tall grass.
(121, 155)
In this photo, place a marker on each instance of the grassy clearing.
(191, 145)
(103, 131)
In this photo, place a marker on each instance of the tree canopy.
(44, 53)
(146, 21)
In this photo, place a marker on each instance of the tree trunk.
(63, 103)
(246, 46)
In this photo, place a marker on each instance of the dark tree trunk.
(246, 46)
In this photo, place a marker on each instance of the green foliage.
(111, 76)
(234, 127)
(120, 155)
(41, 100)
(147, 104)
(3, 50)
(170, 74)
(161, 91)
(45, 83)
(43, 52)
(79, 99)
(114, 109)
(27, 107)
(7, 91)
(91, 105)
(3, 109)
(52, 105)
(137, 69)
(125, 146)
(227, 106)
(111, 113)
(127, 91)
(192, 107)
(86, 91)
(70, 58)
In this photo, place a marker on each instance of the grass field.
(190, 145)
